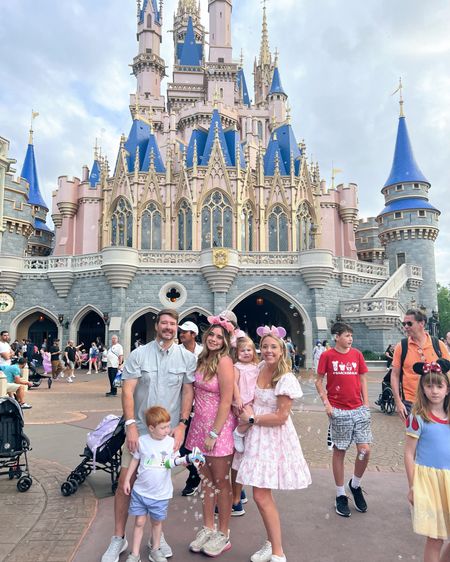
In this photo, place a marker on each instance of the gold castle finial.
(34, 114)
(216, 97)
(264, 54)
(96, 149)
(276, 53)
(400, 90)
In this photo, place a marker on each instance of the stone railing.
(404, 274)
(355, 267)
(169, 258)
(370, 307)
(289, 260)
(83, 262)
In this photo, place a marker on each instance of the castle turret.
(277, 97)
(41, 239)
(148, 66)
(408, 224)
(220, 47)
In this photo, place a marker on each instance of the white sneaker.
(219, 542)
(278, 558)
(26, 406)
(201, 539)
(61, 376)
(163, 545)
(157, 556)
(238, 439)
(88, 373)
(69, 379)
(115, 549)
(264, 554)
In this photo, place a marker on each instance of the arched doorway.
(199, 319)
(91, 329)
(265, 307)
(143, 329)
(37, 328)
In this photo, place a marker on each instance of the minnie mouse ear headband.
(439, 366)
(279, 332)
(220, 321)
(237, 334)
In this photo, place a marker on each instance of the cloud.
(339, 63)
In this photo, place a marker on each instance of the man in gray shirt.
(158, 373)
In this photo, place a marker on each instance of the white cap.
(189, 327)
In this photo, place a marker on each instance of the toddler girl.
(245, 373)
(427, 458)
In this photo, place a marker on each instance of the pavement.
(43, 526)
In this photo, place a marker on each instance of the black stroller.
(13, 444)
(107, 455)
(37, 375)
(386, 398)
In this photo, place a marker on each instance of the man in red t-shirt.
(346, 402)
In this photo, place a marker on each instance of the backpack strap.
(404, 344)
(436, 346)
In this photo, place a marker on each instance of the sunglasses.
(409, 324)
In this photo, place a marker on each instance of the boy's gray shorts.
(350, 426)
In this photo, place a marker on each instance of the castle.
(211, 203)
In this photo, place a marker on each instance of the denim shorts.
(350, 426)
(140, 505)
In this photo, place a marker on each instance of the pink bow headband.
(279, 332)
(432, 367)
(219, 321)
(237, 334)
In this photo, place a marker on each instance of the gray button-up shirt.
(161, 374)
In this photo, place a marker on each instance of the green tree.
(443, 296)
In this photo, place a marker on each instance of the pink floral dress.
(207, 399)
(273, 456)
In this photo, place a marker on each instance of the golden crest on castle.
(220, 257)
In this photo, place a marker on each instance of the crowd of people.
(223, 410)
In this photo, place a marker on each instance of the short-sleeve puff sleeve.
(288, 385)
(414, 424)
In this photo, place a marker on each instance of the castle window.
(217, 221)
(260, 130)
(122, 224)
(149, 20)
(401, 259)
(247, 229)
(220, 59)
(416, 186)
(185, 227)
(151, 228)
(421, 213)
(399, 187)
(305, 228)
(398, 215)
(278, 230)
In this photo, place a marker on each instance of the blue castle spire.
(155, 11)
(94, 176)
(404, 166)
(190, 52)
(276, 86)
(29, 172)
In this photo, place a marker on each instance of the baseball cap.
(230, 316)
(189, 327)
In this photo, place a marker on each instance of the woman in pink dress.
(212, 431)
(272, 458)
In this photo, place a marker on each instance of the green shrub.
(372, 356)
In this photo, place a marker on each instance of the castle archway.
(139, 328)
(91, 329)
(35, 324)
(269, 305)
(197, 315)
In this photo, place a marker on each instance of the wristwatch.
(129, 422)
(185, 421)
(251, 420)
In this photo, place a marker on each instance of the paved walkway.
(44, 526)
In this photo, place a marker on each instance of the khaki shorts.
(12, 387)
(126, 457)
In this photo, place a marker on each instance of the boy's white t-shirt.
(154, 480)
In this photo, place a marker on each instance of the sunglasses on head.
(409, 324)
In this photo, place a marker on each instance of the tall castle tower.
(408, 224)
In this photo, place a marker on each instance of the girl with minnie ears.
(427, 458)
(272, 458)
(211, 431)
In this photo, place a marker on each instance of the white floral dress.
(273, 456)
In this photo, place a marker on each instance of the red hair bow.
(432, 367)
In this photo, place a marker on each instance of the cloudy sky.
(340, 60)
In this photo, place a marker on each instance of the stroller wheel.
(77, 476)
(49, 382)
(24, 483)
(74, 483)
(66, 489)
